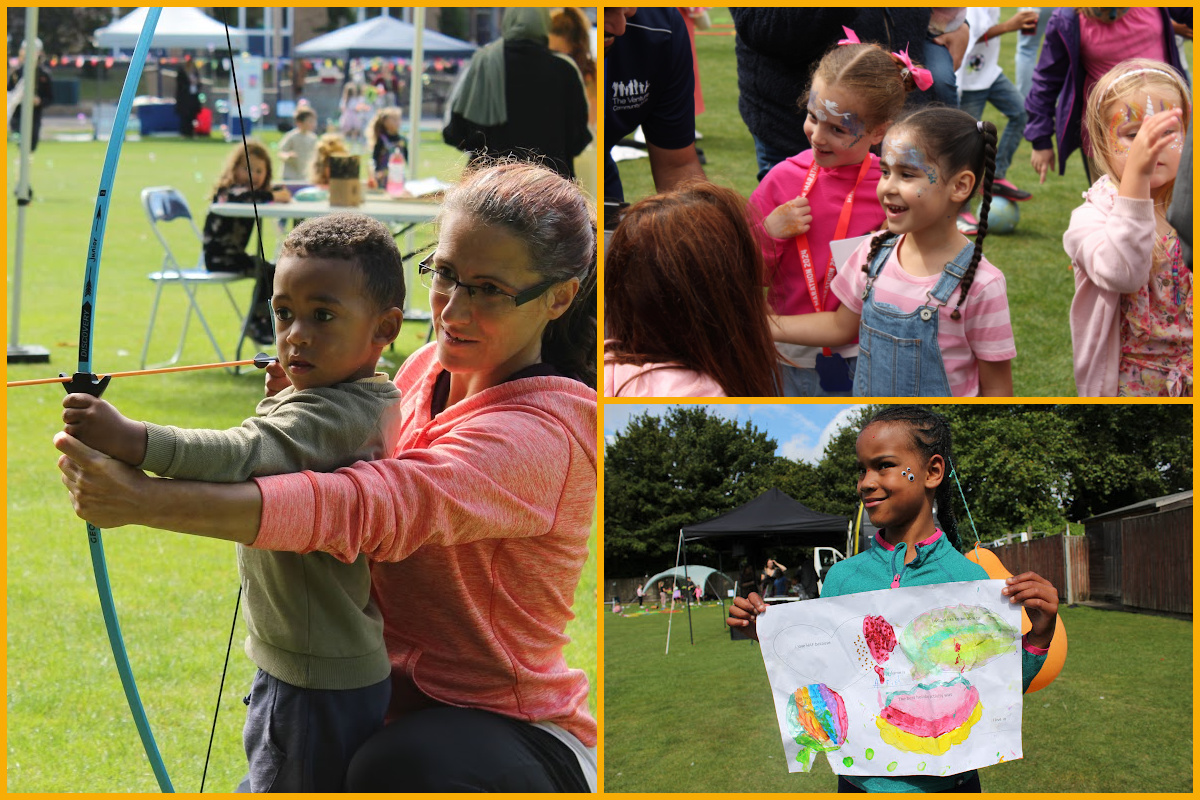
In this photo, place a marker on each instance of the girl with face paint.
(930, 312)
(826, 193)
(1131, 318)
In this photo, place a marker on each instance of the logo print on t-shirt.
(630, 94)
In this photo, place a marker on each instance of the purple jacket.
(1059, 77)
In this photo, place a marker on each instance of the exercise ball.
(1003, 215)
(1058, 642)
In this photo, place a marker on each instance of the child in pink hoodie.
(1131, 318)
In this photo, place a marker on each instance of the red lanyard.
(843, 224)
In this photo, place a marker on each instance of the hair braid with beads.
(931, 436)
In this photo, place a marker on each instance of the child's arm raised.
(98, 424)
(1157, 133)
(995, 378)
(822, 329)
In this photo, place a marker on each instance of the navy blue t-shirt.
(648, 81)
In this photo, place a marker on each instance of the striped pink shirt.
(983, 333)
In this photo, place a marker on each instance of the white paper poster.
(922, 680)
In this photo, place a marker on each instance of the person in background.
(521, 99)
(649, 82)
(187, 97)
(329, 145)
(383, 137)
(1179, 215)
(570, 33)
(1028, 45)
(43, 92)
(299, 145)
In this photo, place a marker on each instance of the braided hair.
(958, 141)
(931, 437)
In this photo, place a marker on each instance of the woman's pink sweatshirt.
(480, 525)
(1110, 242)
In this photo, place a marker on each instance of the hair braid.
(931, 436)
(876, 245)
(988, 135)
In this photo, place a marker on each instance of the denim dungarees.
(898, 353)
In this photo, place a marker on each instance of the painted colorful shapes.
(958, 637)
(881, 640)
(816, 719)
(931, 717)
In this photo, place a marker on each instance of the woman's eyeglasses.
(486, 298)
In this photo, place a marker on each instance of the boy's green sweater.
(881, 567)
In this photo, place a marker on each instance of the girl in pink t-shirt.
(1131, 318)
(827, 193)
(930, 313)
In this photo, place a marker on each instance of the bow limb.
(86, 326)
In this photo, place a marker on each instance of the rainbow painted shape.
(957, 638)
(930, 718)
(816, 719)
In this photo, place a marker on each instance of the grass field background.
(700, 718)
(68, 728)
(1040, 284)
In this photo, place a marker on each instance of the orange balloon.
(1058, 643)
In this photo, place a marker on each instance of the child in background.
(570, 34)
(904, 463)
(1131, 318)
(900, 286)
(981, 80)
(329, 145)
(828, 193)
(225, 238)
(315, 634)
(383, 136)
(297, 147)
(683, 299)
(354, 108)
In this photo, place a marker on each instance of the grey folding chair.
(164, 205)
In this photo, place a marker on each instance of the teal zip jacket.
(881, 567)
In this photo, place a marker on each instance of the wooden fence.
(1156, 561)
(1063, 564)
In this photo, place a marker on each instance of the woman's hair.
(238, 156)
(1123, 87)
(871, 75)
(930, 437)
(359, 239)
(572, 26)
(683, 286)
(557, 224)
(376, 129)
(957, 141)
(329, 145)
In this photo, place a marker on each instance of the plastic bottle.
(395, 173)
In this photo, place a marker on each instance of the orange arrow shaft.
(158, 371)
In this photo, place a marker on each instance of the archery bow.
(84, 381)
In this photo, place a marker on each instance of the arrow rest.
(85, 383)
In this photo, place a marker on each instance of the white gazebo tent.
(187, 28)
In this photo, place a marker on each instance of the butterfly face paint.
(834, 128)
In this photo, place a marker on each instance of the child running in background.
(299, 145)
(383, 136)
(315, 634)
(1131, 319)
(226, 238)
(828, 193)
(683, 299)
(904, 463)
(922, 281)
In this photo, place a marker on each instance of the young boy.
(297, 147)
(323, 682)
(982, 80)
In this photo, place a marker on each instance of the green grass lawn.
(1040, 285)
(701, 719)
(68, 726)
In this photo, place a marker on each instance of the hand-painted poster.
(910, 681)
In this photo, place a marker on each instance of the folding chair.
(164, 204)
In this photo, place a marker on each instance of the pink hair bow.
(851, 37)
(922, 77)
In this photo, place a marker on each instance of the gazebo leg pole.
(674, 583)
(686, 578)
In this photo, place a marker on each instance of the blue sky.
(801, 430)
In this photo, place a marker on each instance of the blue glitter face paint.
(899, 153)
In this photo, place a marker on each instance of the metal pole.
(416, 88)
(674, 578)
(1067, 566)
(16, 352)
(686, 578)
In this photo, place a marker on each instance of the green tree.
(663, 473)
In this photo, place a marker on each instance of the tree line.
(1020, 467)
